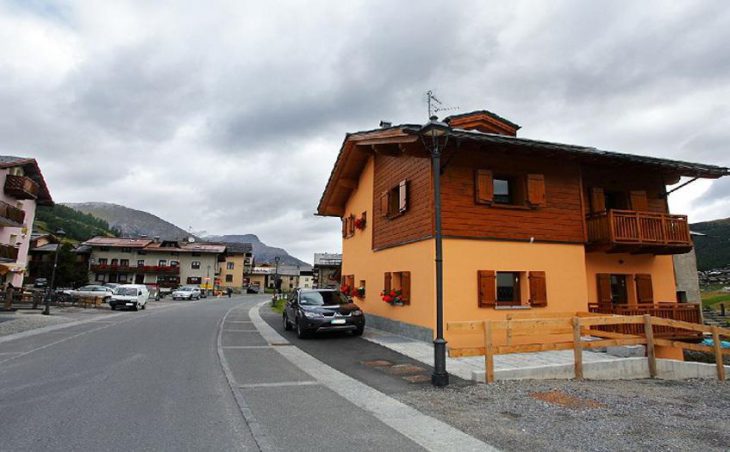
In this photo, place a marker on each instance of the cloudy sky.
(226, 116)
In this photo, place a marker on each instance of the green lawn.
(278, 306)
(712, 298)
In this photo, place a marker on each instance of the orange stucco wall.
(359, 259)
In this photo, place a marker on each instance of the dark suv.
(319, 310)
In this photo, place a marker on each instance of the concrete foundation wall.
(400, 328)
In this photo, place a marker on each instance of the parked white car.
(186, 293)
(92, 291)
(133, 296)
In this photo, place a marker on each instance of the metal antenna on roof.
(435, 105)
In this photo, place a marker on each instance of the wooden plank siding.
(417, 221)
(560, 219)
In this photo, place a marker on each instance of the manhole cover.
(405, 369)
(377, 363)
(421, 378)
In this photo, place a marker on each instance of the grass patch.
(712, 298)
(278, 306)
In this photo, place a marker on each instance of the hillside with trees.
(713, 248)
(79, 226)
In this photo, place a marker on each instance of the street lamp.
(47, 310)
(438, 132)
(207, 281)
(276, 276)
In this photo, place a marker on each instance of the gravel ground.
(589, 415)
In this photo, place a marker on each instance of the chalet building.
(166, 263)
(527, 225)
(23, 189)
(237, 263)
(327, 270)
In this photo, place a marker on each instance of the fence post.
(488, 355)
(718, 353)
(649, 333)
(577, 349)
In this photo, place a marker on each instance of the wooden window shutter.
(384, 204)
(403, 196)
(405, 287)
(351, 225)
(386, 283)
(536, 190)
(538, 289)
(644, 289)
(604, 288)
(484, 187)
(598, 200)
(344, 227)
(487, 283)
(639, 201)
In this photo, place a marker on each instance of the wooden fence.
(549, 333)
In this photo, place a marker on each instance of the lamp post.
(438, 132)
(276, 276)
(207, 281)
(47, 309)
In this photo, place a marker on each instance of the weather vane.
(435, 105)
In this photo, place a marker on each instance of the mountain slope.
(131, 222)
(262, 252)
(713, 249)
(77, 225)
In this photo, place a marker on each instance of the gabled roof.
(237, 247)
(118, 242)
(357, 148)
(33, 171)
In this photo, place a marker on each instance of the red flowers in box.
(360, 223)
(392, 297)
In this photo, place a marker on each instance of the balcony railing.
(639, 232)
(8, 253)
(686, 312)
(11, 215)
(21, 187)
(150, 269)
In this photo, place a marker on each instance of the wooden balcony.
(11, 215)
(148, 269)
(686, 312)
(21, 187)
(630, 231)
(8, 253)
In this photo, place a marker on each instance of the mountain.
(77, 225)
(262, 252)
(131, 222)
(713, 249)
(134, 223)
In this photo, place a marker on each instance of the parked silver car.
(186, 293)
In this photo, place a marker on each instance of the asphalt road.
(154, 380)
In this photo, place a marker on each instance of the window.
(508, 288)
(174, 263)
(122, 277)
(126, 250)
(230, 265)
(524, 190)
(195, 254)
(195, 265)
(140, 263)
(115, 262)
(619, 292)
(194, 280)
(103, 261)
(104, 248)
(229, 278)
(394, 202)
(399, 281)
(162, 263)
(101, 277)
(141, 252)
(124, 262)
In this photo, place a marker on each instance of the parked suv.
(319, 310)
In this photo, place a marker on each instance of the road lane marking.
(240, 331)
(234, 347)
(426, 431)
(276, 385)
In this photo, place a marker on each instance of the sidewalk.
(288, 383)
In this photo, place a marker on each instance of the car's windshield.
(322, 298)
(89, 288)
(185, 289)
(126, 291)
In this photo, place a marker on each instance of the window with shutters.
(398, 282)
(511, 289)
(509, 190)
(394, 202)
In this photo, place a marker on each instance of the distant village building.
(23, 189)
(327, 270)
(166, 263)
(237, 263)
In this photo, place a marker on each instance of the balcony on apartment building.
(148, 269)
(11, 215)
(21, 187)
(638, 232)
(8, 253)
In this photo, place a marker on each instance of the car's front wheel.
(143, 306)
(301, 332)
(135, 307)
(358, 331)
(114, 307)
